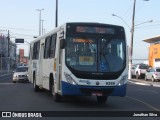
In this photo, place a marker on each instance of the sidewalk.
(143, 82)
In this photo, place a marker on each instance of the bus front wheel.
(102, 99)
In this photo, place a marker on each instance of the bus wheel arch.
(36, 87)
(56, 96)
(51, 82)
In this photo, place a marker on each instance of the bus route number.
(110, 83)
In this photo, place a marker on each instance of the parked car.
(139, 70)
(20, 74)
(153, 74)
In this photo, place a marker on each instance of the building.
(22, 59)
(12, 52)
(7, 53)
(154, 51)
(3, 51)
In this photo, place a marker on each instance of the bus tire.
(36, 88)
(102, 99)
(56, 96)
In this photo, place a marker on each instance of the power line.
(21, 34)
(149, 26)
(17, 29)
(128, 11)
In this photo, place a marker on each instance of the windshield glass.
(22, 69)
(95, 54)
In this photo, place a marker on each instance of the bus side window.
(36, 47)
(47, 48)
(53, 45)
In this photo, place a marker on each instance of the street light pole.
(56, 17)
(40, 10)
(122, 20)
(42, 27)
(132, 37)
(131, 45)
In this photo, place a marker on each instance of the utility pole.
(56, 21)
(132, 30)
(42, 27)
(132, 37)
(131, 45)
(8, 42)
(40, 10)
(8, 64)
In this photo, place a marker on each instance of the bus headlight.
(69, 79)
(123, 80)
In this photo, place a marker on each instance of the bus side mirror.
(62, 43)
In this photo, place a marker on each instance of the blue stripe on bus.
(69, 89)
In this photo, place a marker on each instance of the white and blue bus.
(80, 59)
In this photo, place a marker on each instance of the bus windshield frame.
(88, 53)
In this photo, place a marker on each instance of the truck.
(139, 70)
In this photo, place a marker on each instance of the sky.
(22, 20)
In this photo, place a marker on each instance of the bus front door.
(59, 60)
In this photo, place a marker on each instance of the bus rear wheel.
(102, 99)
(36, 88)
(56, 96)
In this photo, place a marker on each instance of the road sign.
(19, 40)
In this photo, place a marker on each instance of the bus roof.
(72, 23)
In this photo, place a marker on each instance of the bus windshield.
(95, 53)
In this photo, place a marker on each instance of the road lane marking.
(5, 74)
(148, 91)
(139, 83)
(6, 83)
(148, 105)
(145, 84)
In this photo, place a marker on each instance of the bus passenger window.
(53, 45)
(36, 50)
(47, 47)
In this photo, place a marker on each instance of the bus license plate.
(97, 94)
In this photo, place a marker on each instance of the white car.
(153, 74)
(139, 70)
(20, 74)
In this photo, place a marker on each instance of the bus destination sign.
(98, 30)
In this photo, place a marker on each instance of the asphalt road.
(21, 97)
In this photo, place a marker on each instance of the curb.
(141, 83)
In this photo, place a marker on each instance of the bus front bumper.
(69, 89)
